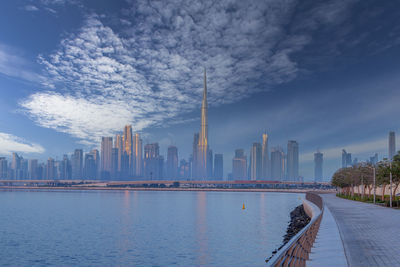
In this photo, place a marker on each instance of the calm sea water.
(139, 228)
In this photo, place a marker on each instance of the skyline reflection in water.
(141, 228)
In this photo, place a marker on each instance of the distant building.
(239, 165)
(346, 159)
(153, 162)
(32, 169)
(392, 145)
(277, 164)
(218, 167)
(256, 163)
(16, 172)
(265, 172)
(118, 144)
(77, 164)
(128, 151)
(3, 168)
(318, 165)
(106, 157)
(184, 170)
(90, 170)
(65, 168)
(172, 163)
(374, 159)
(195, 155)
(137, 156)
(292, 161)
(114, 164)
(50, 169)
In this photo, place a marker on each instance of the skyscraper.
(3, 168)
(239, 165)
(128, 149)
(77, 164)
(138, 157)
(292, 164)
(16, 166)
(153, 162)
(50, 169)
(195, 156)
(265, 172)
(318, 165)
(106, 157)
(90, 170)
(66, 168)
(203, 168)
(218, 167)
(114, 163)
(346, 159)
(392, 145)
(184, 170)
(277, 164)
(172, 163)
(32, 169)
(119, 146)
(256, 163)
(97, 162)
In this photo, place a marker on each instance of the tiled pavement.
(328, 247)
(370, 234)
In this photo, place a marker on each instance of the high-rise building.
(153, 162)
(90, 169)
(203, 168)
(32, 169)
(265, 172)
(374, 159)
(346, 159)
(16, 166)
(106, 157)
(256, 162)
(318, 165)
(195, 156)
(3, 168)
(239, 165)
(128, 149)
(119, 145)
(172, 163)
(65, 168)
(50, 169)
(292, 161)
(97, 162)
(218, 167)
(77, 164)
(114, 163)
(138, 157)
(392, 145)
(184, 170)
(277, 164)
(210, 164)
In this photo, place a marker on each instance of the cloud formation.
(10, 143)
(146, 67)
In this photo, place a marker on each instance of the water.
(141, 228)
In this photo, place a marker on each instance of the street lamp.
(373, 168)
(390, 183)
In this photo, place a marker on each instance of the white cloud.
(31, 8)
(10, 143)
(150, 71)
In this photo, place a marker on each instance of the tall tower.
(255, 167)
(128, 148)
(265, 172)
(137, 158)
(106, 157)
(392, 145)
(318, 163)
(203, 137)
(292, 169)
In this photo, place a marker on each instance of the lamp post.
(390, 201)
(373, 168)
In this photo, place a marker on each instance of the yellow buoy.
(243, 207)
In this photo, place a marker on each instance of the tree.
(382, 175)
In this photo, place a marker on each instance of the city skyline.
(69, 76)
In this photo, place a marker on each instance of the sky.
(323, 73)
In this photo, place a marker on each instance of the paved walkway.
(328, 247)
(370, 234)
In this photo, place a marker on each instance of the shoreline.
(86, 188)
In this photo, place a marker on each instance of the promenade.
(370, 233)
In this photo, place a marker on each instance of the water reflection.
(201, 229)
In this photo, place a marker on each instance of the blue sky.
(324, 73)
